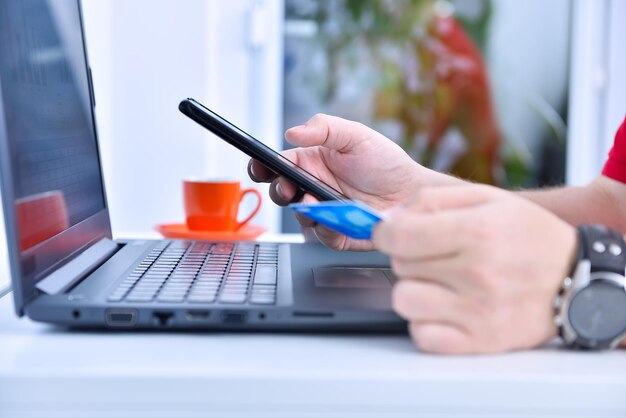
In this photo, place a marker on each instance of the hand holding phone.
(357, 163)
(306, 181)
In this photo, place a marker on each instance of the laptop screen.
(48, 120)
(53, 195)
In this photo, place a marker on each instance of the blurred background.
(515, 94)
(476, 88)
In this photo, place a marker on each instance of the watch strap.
(603, 247)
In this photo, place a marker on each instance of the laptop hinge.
(65, 277)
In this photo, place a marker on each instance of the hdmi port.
(198, 315)
(121, 317)
(234, 317)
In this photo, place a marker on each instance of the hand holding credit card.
(351, 218)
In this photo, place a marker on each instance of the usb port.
(198, 315)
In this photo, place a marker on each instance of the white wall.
(531, 83)
(146, 56)
(616, 69)
(597, 85)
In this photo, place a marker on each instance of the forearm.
(601, 202)
(431, 178)
(575, 205)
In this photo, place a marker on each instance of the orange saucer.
(180, 231)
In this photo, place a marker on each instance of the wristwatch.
(590, 308)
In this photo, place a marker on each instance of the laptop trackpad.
(351, 277)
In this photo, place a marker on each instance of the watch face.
(598, 312)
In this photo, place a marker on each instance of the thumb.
(431, 199)
(330, 132)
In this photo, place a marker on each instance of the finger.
(433, 199)
(314, 232)
(441, 338)
(259, 173)
(262, 174)
(422, 236)
(421, 301)
(330, 132)
(329, 237)
(339, 241)
(304, 221)
(281, 191)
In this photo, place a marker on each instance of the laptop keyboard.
(203, 272)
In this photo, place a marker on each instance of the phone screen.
(276, 162)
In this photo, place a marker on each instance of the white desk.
(49, 372)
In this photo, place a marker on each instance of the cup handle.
(254, 212)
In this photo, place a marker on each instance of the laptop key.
(237, 280)
(206, 286)
(265, 300)
(235, 290)
(243, 283)
(215, 283)
(144, 291)
(262, 291)
(140, 298)
(201, 298)
(201, 294)
(265, 275)
(155, 276)
(177, 285)
(198, 290)
(232, 298)
(170, 298)
(148, 285)
(236, 285)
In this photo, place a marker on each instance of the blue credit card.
(351, 218)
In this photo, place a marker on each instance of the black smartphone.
(282, 166)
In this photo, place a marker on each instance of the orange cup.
(213, 205)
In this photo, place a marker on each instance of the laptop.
(66, 268)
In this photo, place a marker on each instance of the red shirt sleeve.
(615, 166)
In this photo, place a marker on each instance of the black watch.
(591, 305)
